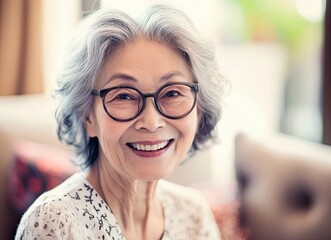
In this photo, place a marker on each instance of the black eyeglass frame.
(103, 92)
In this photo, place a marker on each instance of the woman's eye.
(123, 97)
(172, 93)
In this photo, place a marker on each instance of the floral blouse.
(74, 210)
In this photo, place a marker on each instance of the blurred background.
(275, 54)
(270, 50)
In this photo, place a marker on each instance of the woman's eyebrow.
(128, 77)
(170, 75)
(122, 76)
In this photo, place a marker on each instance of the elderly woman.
(136, 96)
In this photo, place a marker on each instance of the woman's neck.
(133, 202)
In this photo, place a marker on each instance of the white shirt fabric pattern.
(74, 210)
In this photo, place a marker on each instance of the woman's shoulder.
(59, 212)
(187, 213)
(48, 210)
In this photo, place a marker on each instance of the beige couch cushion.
(30, 117)
(284, 187)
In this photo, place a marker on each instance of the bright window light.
(311, 10)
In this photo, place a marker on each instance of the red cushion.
(35, 169)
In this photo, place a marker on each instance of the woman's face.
(145, 65)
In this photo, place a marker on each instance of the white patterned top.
(74, 210)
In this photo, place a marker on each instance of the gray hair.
(98, 36)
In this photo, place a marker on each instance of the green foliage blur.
(276, 20)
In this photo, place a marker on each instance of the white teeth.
(154, 147)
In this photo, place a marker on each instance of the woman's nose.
(150, 118)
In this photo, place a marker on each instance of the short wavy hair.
(104, 31)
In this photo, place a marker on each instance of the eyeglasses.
(173, 100)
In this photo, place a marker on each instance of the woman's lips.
(150, 149)
(144, 146)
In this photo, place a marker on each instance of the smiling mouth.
(149, 147)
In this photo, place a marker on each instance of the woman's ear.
(89, 124)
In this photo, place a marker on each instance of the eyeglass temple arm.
(95, 92)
